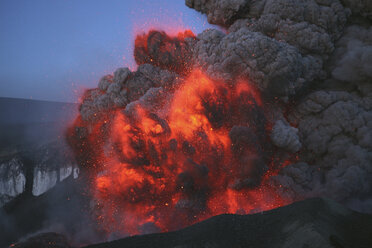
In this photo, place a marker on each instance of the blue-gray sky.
(53, 49)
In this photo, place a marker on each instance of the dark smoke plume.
(324, 63)
(161, 50)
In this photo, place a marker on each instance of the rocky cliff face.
(12, 179)
(39, 169)
(33, 156)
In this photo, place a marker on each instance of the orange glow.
(187, 112)
(175, 167)
(247, 88)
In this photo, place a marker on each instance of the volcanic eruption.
(186, 149)
(229, 122)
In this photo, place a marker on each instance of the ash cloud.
(335, 130)
(124, 86)
(351, 62)
(220, 12)
(285, 136)
(325, 64)
(274, 67)
(311, 62)
(359, 7)
(280, 45)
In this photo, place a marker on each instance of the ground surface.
(310, 223)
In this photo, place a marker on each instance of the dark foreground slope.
(310, 223)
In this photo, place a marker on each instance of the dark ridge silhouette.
(313, 222)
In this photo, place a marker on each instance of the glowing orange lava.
(172, 168)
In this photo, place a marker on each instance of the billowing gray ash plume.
(310, 60)
(319, 54)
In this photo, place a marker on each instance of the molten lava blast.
(201, 154)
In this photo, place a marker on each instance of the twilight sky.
(54, 49)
